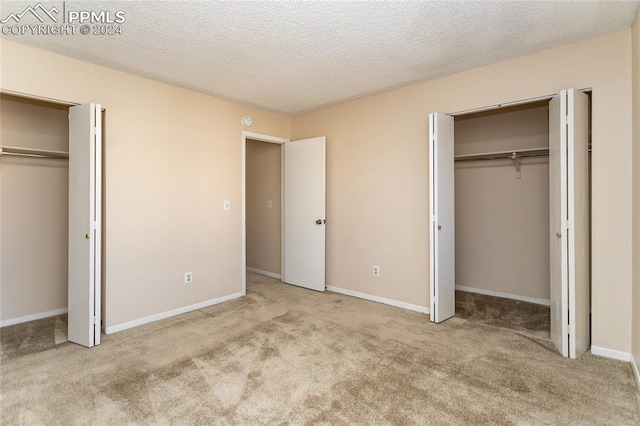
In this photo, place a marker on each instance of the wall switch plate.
(269, 204)
(226, 206)
(188, 277)
(376, 270)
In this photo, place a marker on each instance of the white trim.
(32, 317)
(636, 371)
(264, 138)
(502, 105)
(432, 235)
(545, 302)
(397, 304)
(261, 272)
(282, 269)
(38, 98)
(171, 313)
(611, 353)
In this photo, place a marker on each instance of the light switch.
(269, 204)
(226, 205)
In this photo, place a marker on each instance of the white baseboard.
(33, 317)
(611, 353)
(545, 302)
(171, 313)
(261, 272)
(397, 304)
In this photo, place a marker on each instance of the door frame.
(269, 139)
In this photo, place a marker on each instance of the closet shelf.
(504, 155)
(35, 153)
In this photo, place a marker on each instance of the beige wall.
(636, 188)
(263, 223)
(34, 210)
(377, 176)
(502, 223)
(172, 156)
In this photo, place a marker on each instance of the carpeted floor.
(506, 313)
(285, 355)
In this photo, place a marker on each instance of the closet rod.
(501, 155)
(35, 153)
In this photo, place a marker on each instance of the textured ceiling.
(298, 56)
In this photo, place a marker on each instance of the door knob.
(319, 222)
(559, 234)
(87, 236)
(439, 227)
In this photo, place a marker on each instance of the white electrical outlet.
(188, 277)
(269, 204)
(376, 270)
(226, 205)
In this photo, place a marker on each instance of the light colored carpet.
(285, 355)
(506, 313)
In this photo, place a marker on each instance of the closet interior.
(502, 224)
(34, 192)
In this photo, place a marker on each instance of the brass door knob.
(439, 227)
(559, 234)
(87, 236)
(319, 222)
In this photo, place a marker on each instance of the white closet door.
(559, 290)
(304, 213)
(442, 224)
(569, 222)
(85, 195)
(578, 193)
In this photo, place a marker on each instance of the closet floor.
(33, 336)
(505, 313)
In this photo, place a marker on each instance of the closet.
(51, 214)
(34, 192)
(509, 200)
(502, 202)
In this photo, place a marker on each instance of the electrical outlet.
(226, 205)
(188, 277)
(376, 270)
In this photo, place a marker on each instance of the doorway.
(254, 139)
(34, 210)
(302, 213)
(502, 218)
(263, 208)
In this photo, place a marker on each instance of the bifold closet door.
(569, 222)
(304, 213)
(85, 195)
(442, 221)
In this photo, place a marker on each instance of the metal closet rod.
(34, 153)
(501, 155)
